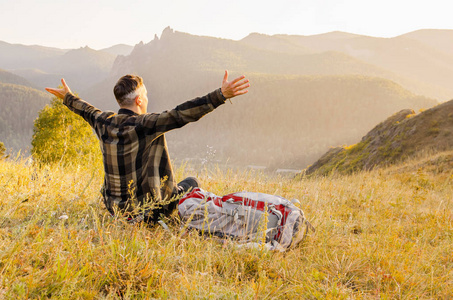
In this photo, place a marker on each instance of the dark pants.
(183, 187)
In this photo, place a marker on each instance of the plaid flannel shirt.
(135, 150)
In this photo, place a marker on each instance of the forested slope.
(8, 77)
(19, 108)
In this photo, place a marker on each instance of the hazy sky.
(103, 23)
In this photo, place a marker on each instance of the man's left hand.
(60, 93)
(234, 88)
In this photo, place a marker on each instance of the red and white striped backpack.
(248, 217)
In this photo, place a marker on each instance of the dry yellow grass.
(384, 234)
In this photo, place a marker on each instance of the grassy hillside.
(401, 136)
(19, 108)
(384, 234)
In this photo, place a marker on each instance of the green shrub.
(60, 135)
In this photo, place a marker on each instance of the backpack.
(248, 217)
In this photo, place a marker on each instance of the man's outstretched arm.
(193, 110)
(75, 104)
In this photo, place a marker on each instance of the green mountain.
(19, 108)
(8, 77)
(404, 135)
(39, 78)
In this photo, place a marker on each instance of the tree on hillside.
(59, 135)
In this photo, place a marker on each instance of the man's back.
(136, 159)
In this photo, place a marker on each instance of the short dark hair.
(124, 88)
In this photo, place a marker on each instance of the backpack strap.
(277, 213)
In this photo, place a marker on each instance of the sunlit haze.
(103, 23)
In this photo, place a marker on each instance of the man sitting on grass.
(139, 179)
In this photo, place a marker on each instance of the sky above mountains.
(103, 23)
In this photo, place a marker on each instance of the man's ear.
(138, 100)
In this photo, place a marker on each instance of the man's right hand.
(60, 93)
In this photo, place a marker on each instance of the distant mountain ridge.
(41, 65)
(16, 56)
(420, 61)
(307, 94)
(440, 39)
(120, 49)
(411, 57)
